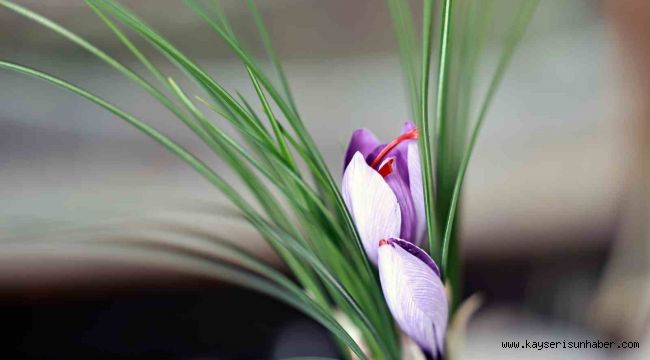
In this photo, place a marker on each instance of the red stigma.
(387, 168)
(383, 242)
(409, 135)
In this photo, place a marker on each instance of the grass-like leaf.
(514, 36)
(426, 134)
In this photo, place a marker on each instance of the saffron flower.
(382, 188)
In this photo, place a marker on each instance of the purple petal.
(417, 191)
(372, 204)
(414, 293)
(363, 141)
(417, 252)
(408, 126)
(403, 149)
(403, 194)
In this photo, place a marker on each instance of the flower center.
(409, 135)
(383, 242)
(387, 168)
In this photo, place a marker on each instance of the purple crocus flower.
(382, 187)
(414, 293)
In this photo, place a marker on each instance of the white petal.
(415, 296)
(372, 203)
(417, 190)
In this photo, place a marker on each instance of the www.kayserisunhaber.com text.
(569, 344)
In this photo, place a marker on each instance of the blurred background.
(555, 227)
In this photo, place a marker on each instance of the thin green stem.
(442, 95)
(275, 125)
(425, 132)
(271, 53)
